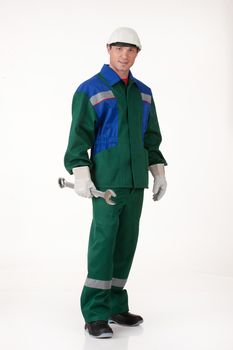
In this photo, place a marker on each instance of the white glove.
(160, 183)
(83, 183)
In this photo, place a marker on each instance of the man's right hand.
(83, 183)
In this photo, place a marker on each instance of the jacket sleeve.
(153, 138)
(82, 133)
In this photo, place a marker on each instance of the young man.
(114, 115)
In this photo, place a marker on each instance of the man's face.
(122, 58)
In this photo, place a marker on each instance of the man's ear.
(108, 47)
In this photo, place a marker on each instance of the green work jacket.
(118, 123)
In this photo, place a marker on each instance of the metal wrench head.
(61, 182)
(108, 195)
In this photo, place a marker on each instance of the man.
(114, 115)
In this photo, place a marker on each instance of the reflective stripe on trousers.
(99, 284)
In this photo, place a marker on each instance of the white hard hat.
(125, 35)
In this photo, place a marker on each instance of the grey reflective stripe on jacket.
(146, 97)
(99, 284)
(101, 96)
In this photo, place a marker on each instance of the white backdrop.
(47, 49)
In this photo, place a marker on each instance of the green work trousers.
(112, 243)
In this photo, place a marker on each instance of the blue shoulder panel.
(92, 86)
(105, 106)
(146, 95)
(142, 87)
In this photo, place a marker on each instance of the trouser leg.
(112, 242)
(96, 294)
(125, 246)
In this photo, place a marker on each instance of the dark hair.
(118, 43)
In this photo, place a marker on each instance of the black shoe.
(126, 319)
(99, 329)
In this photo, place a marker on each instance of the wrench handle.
(69, 184)
(63, 183)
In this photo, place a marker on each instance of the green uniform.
(119, 124)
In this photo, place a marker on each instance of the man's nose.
(124, 54)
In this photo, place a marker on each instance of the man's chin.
(123, 69)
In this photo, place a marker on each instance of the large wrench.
(105, 195)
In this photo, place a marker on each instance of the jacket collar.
(111, 76)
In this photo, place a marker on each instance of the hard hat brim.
(119, 43)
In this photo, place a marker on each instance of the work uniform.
(118, 123)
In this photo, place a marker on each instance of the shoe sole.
(125, 325)
(101, 336)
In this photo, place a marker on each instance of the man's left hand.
(160, 183)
